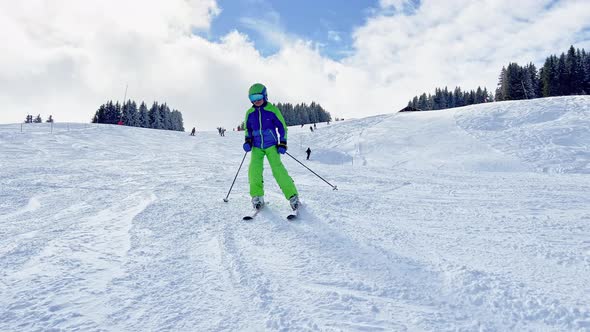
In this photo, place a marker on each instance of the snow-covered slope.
(549, 135)
(475, 218)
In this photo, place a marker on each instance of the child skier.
(262, 122)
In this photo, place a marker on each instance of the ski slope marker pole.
(232, 184)
(333, 187)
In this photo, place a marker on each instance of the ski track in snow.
(473, 219)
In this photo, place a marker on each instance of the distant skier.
(193, 131)
(311, 128)
(308, 151)
(261, 124)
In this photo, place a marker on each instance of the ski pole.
(333, 187)
(232, 184)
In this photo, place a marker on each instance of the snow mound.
(544, 135)
(550, 134)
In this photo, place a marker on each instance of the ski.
(293, 215)
(252, 215)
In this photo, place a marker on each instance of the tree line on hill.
(443, 98)
(37, 119)
(568, 74)
(300, 114)
(158, 116)
(303, 114)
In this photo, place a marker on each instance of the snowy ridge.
(551, 134)
(468, 219)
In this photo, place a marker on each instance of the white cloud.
(463, 42)
(392, 3)
(268, 25)
(66, 57)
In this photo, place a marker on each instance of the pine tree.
(570, 72)
(529, 79)
(533, 77)
(112, 113)
(449, 98)
(143, 117)
(478, 96)
(511, 89)
(423, 102)
(164, 116)
(502, 80)
(129, 114)
(578, 74)
(549, 77)
(429, 102)
(99, 115)
(488, 96)
(458, 97)
(562, 76)
(444, 98)
(436, 99)
(178, 121)
(155, 117)
(118, 115)
(585, 60)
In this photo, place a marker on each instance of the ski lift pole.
(232, 184)
(333, 187)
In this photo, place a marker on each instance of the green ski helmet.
(257, 92)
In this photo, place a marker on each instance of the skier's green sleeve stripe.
(279, 116)
(246, 120)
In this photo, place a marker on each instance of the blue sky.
(328, 23)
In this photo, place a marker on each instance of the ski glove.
(247, 145)
(282, 147)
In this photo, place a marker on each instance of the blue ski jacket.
(261, 126)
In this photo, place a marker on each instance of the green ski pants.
(278, 171)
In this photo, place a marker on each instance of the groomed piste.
(468, 219)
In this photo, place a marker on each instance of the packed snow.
(469, 219)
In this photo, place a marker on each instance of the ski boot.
(257, 202)
(294, 201)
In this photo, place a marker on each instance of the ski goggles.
(256, 97)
